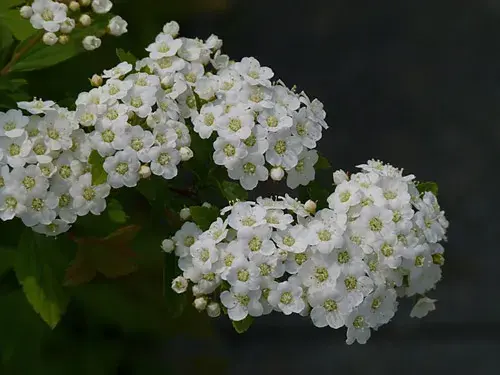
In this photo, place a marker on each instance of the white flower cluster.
(344, 266)
(58, 19)
(253, 121)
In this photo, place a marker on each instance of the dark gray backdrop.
(414, 83)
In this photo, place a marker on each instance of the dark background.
(414, 83)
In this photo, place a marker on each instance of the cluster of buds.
(58, 18)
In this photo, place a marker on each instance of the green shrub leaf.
(204, 216)
(233, 191)
(428, 186)
(243, 325)
(99, 175)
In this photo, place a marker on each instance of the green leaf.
(125, 56)
(8, 4)
(99, 175)
(37, 55)
(204, 216)
(116, 212)
(19, 27)
(7, 259)
(322, 163)
(233, 191)
(35, 270)
(6, 41)
(148, 188)
(427, 186)
(243, 325)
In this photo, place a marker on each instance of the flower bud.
(85, 20)
(74, 6)
(196, 291)
(168, 245)
(185, 213)
(26, 11)
(186, 153)
(179, 284)
(117, 26)
(49, 38)
(206, 205)
(63, 39)
(310, 206)
(68, 25)
(213, 310)
(102, 6)
(171, 28)
(91, 42)
(339, 177)
(145, 171)
(277, 173)
(200, 303)
(85, 3)
(96, 80)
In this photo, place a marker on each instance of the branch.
(17, 55)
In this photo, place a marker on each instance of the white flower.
(37, 106)
(249, 171)
(253, 73)
(382, 305)
(304, 171)
(258, 242)
(122, 169)
(339, 177)
(164, 161)
(88, 198)
(257, 142)
(287, 297)
(275, 119)
(213, 310)
(164, 46)
(235, 124)
(179, 285)
(68, 25)
(244, 217)
(228, 152)
(328, 308)
(204, 254)
(91, 42)
(185, 237)
(118, 71)
(140, 142)
(278, 219)
(185, 213)
(308, 131)
(48, 15)
(423, 306)
(109, 139)
(244, 274)
(376, 222)
(319, 273)
(117, 26)
(101, 6)
(241, 302)
(40, 209)
(346, 195)
(171, 28)
(357, 327)
(200, 303)
(205, 122)
(353, 283)
(29, 181)
(283, 149)
(53, 229)
(12, 123)
(293, 239)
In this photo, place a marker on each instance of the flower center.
(324, 235)
(29, 182)
(204, 255)
(191, 77)
(39, 149)
(234, 124)
(113, 90)
(64, 200)
(163, 48)
(11, 202)
(300, 166)
(272, 121)
(344, 196)
(47, 15)
(387, 249)
(248, 221)
(108, 136)
(227, 85)
(286, 298)
(137, 144)
(396, 217)
(255, 244)
(88, 193)
(358, 322)
(164, 158)
(376, 303)
(249, 168)
(136, 102)
(243, 275)
(229, 150)
(9, 126)
(254, 74)
(228, 260)
(321, 274)
(438, 259)
(390, 195)
(376, 224)
(53, 134)
(350, 282)
(209, 119)
(300, 258)
(65, 171)
(343, 257)
(209, 276)
(188, 241)
(280, 147)
(289, 241)
(419, 261)
(301, 130)
(250, 141)
(37, 204)
(242, 299)
(14, 149)
(265, 269)
(330, 305)
(165, 62)
(121, 168)
(191, 102)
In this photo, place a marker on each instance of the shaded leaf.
(233, 191)
(125, 56)
(18, 26)
(99, 175)
(8, 4)
(243, 325)
(428, 186)
(7, 259)
(34, 270)
(204, 216)
(116, 212)
(322, 163)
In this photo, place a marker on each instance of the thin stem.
(17, 55)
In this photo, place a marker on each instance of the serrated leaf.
(322, 163)
(40, 284)
(428, 186)
(204, 216)
(233, 191)
(18, 26)
(8, 4)
(125, 56)
(99, 175)
(116, 212)
(243, 325)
